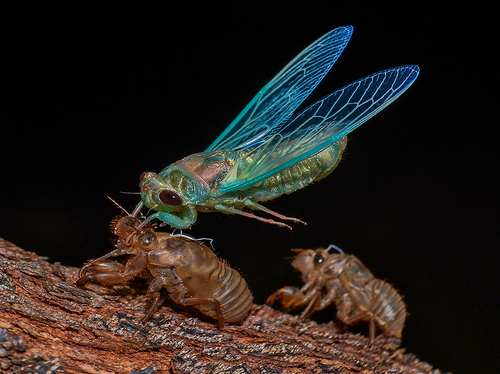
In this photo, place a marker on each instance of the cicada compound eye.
(170, 198)
(147, 240)
(318, 259)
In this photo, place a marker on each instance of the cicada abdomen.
(233, 295)
(388, 307)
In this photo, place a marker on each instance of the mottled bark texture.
(48, 325)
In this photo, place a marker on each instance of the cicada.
(188, 269)
(267, 151)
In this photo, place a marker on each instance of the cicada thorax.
(355, 274)
(195, 176)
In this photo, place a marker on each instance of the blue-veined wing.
(318, 126)
(275, 103)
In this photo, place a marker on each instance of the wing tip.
(414, 71)
(409, 71)
(415, 68)
(348, 30)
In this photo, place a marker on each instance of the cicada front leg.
(185, 219)
(109, 273)
(101, 260)
(293, 298)
(104, 268)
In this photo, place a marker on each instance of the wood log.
(48, 325)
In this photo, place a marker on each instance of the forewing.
(277, 101)
(320, 125)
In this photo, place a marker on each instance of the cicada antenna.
(118, 205)
(334, 247)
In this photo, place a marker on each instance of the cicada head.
(309, 259)
(159, 195)
(176, 187)
(124, 226)
(319, 262)
(305, 263)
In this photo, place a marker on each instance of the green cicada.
(266, 152)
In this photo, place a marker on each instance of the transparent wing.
(277, 101)
(320, 125)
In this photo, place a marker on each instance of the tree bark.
(48, 325)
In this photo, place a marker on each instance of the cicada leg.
(289, 297)
(154, 294)
(185, 222)
(103, 267)
(312, 306)
(205, 300)
(372, 329)
(253, 205)
(349, 315)
(230, 210)
(85, 268)
(178, 297)
(137, 209)
(108, 273)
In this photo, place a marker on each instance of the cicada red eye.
(170, 198)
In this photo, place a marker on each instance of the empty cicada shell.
(189, 270)
(342, 279)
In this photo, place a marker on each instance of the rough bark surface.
(48, 325)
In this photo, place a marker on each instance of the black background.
(98, 95)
